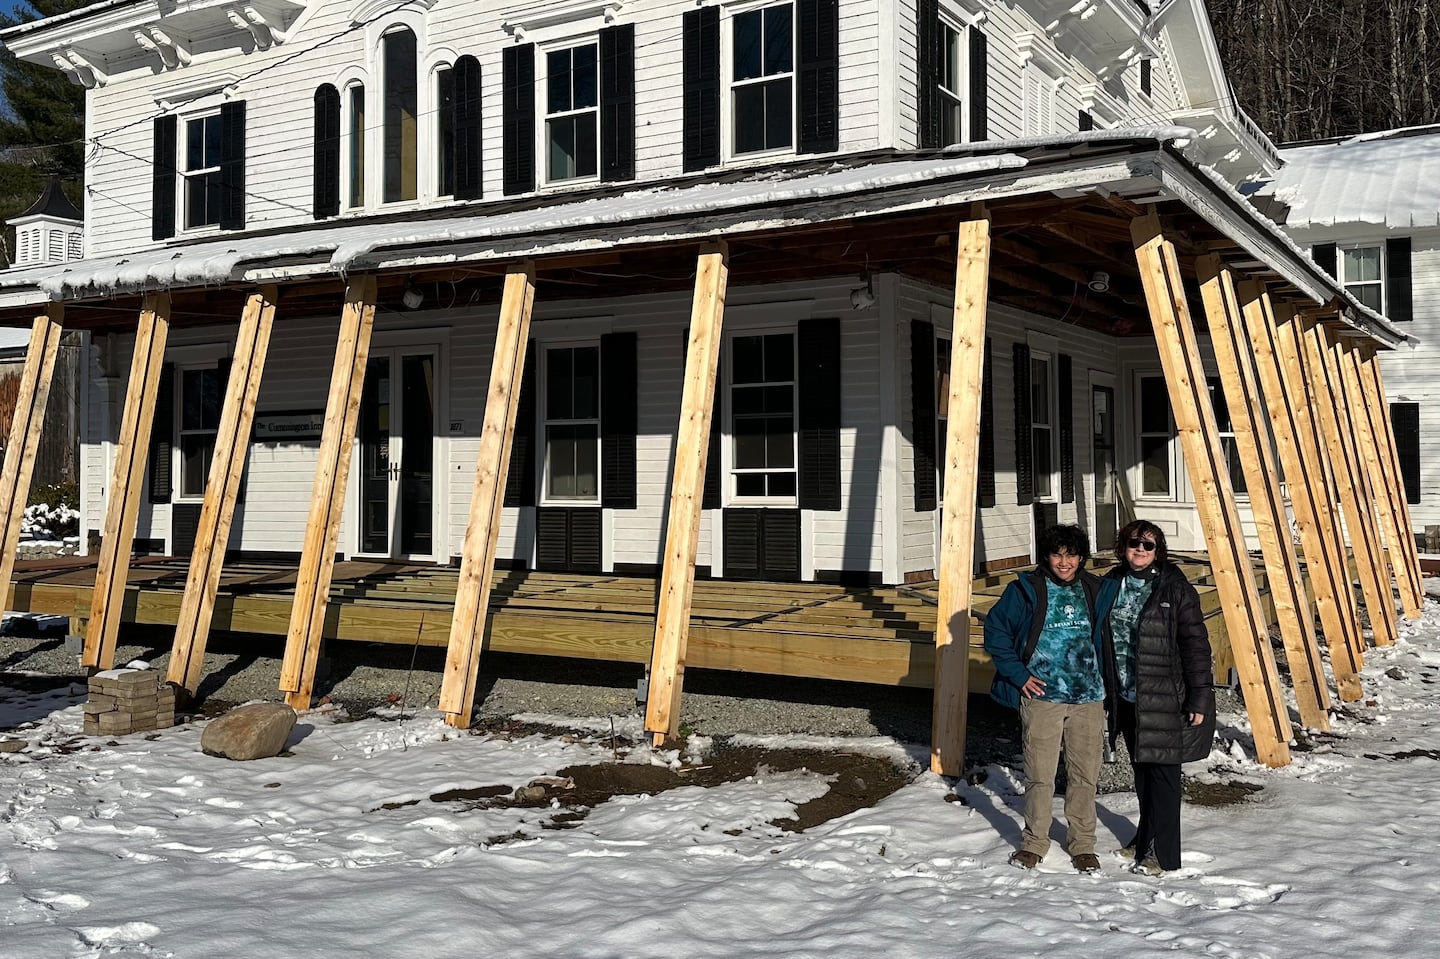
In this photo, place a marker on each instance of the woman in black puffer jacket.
(1160, 686)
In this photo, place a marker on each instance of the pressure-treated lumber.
(327, 499)
(25, 426)
(957, 523)
(227, 466)
(482, 530)
(1214, 499)
(1233, 351)
(122, 506)
(1412, 590)
(687, 488)
(1352, 484)
(1299, 464)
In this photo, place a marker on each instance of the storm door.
(396, 454)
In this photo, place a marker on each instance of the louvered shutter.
(1024, 466)
(163, 175)
(520, 481)
(1067, 431)
(325, 178)
(922, 413)
(819, 414)
(701, 92)
(1405, 420)
(979, 85)
(1086, 121)
(466, 151)
(552, 539)
(619, 419)
(585, 533)
(928, 55)
(617, 103)
(232, 165)
(818, 75)
(1324, 256)
(1398, 296)
(780, 544)
(162, 438)
(742, 544)
(518, 106)
(985, 461)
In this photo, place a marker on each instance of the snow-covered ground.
(148, 847)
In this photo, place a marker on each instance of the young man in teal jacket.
(1045, 638)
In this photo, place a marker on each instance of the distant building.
(51, 231)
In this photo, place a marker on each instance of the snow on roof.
(1391, 178)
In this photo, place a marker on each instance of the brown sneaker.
(1086, 862)
(1025, 859)
(1126, 852)
(1148, 867)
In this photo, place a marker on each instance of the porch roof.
(1062, 207)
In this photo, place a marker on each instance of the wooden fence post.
(482, 531)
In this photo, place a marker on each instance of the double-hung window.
(400, 134)
(200, 172)
(762, 416)
(355, 152)
(952, 84)
(763, 79)
(572, 424)
(1361, 272)
(1156, 432)
(200, 400)
(572, 113)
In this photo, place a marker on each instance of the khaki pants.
(1045, 727)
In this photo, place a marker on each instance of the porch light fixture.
(863, 297)
(412, 297)
(1099, 282)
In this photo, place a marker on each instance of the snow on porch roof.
(1391, 178)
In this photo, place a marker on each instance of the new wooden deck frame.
(482, 531)
(127, 480)
(1243, 397)
(222, 488)
(327, 502)
(25, 426)
(1300, 465)
(957, 523)
(1214, 499)
(687, 489)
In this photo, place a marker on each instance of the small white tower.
(51, 231)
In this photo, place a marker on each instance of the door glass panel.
(375, 458)
(1102, 403)
(417, 454)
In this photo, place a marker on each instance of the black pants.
(1157, 786)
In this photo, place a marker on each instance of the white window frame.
(955, 101)
(1350, 285)
(547, 421)
(201, 356)
(183, 174)
(1049, 428)
(1172, 473)
(732, 496)
(354, 139)
(728, 83)
(542, 91)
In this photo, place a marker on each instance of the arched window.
(399, 144)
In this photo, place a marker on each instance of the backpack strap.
(1037, 618)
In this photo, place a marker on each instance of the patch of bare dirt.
(1218, 794)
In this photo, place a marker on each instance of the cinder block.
(114, 723)
(102, 700)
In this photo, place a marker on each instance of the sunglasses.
(1144, 545)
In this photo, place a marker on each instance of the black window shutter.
(232, 165)
(1087, 122)
(520, 481)
(922, 413)
(619, 419)
(466, 150)
(742, 544)
(819, 414)
(1324, 256)
(1398, 297)
(979, 85)
(780, 544)
(162, 194)
(518, 106)
(985, 482)
(552, 539)
(617, 103)
(1067, 430)
(1145, 68)
(818, 75)
(1405, 420)
(162, 437)
(927, 73)
(701, 104)
(1024, 468)
(585, 535)
(326, 176)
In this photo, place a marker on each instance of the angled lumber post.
(227, 465)
(1214, 499)
(1374, 386)
(482, 531)
(957, 522)
(327, 499)
(1298, 462)
(1233, 350)
(127, 480)
(687, 488)
(25, 426)
(1353, 486)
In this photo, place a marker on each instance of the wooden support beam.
(687, 488)
(1300, 462)
(957, 523)
(1353, 486)
(1214, 499)
(1233, 351)
(227, 466)
(327, 498)
(1413, 590)
(25, 426)
(127, 480)
(487, 499)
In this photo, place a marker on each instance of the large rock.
(253, 731)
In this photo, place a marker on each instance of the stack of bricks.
(128, 701)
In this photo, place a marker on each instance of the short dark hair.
(1137, 529)
(1071, 539)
